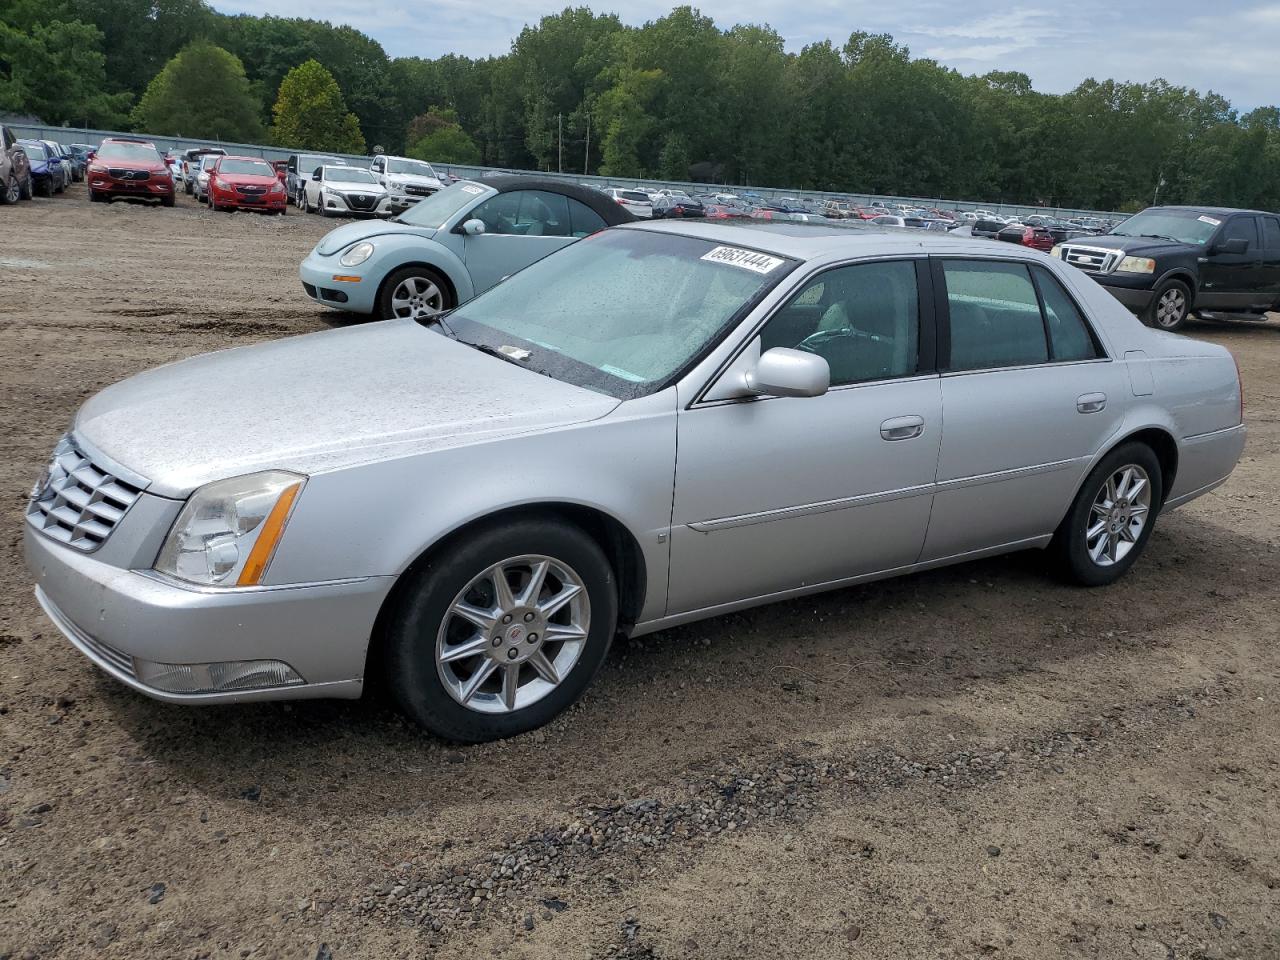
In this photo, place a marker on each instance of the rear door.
(1028, 398)
(1233, 281)
(1271, 259)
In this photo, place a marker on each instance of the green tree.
(310, 113)
(437, 137)
(201, 92)
(56, 71)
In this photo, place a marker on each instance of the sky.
(1229, 46)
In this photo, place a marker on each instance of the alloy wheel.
(513, 634)
(417, 297)
(1119, 515)
(1171, 308)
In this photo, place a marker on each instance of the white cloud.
(1231, 50)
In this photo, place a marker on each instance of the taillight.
(1028, 235)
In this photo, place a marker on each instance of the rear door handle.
(1091, 402)
(902, 428)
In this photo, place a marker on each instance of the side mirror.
(1236, 245)
(473, 227)
(783, 372)
(316, 176)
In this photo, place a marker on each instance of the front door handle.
(902, 428)
(1091, 402)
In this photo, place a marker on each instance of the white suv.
(407, 180)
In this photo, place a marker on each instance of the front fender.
(393, 251)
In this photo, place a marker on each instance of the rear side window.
(995, 315)
(583, 219)
(1069, 335)
(1271, 234)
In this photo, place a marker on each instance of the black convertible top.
(610, 210)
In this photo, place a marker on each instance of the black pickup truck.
(1167, 263)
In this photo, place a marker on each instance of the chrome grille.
(419, 191)
(122, 173)
(361, 201)
(252, 191)
(77, 502)
(1092, 259)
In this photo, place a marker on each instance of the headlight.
(357, 255)
(228, 531)
(1056, 251)
(395, 184)
(1136, 265)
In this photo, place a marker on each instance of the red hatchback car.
(246, 183)
(124, 167)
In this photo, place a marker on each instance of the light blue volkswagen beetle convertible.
(452, 245)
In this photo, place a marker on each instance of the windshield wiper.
(495, 352)
(439, 319)
(1156, 236)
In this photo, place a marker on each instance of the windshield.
(412, 168)
(256, 168)
(623, 311)
(128, 151)
(34, 151)
(348, 175)
(208, 160)
(1185, 226)
(434, 211)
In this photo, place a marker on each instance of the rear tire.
(168, 201)
(1170, 307)
(547, 674)
(1112, 517)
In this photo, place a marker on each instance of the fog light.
(224, 677)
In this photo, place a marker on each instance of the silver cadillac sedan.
(663, 422)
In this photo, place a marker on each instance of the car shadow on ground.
(920, 637)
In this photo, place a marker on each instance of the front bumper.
(1134, 290)
(131, 188)
(240, 201)
(317, 273)
(349, 208)
(113, 616)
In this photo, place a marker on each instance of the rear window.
(634, 196)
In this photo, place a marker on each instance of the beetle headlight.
(1136, 265)
(228, 531)
(357, 255)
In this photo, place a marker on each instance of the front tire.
(1170, 307)
(28, 189)
(12, 190)
(501, 632)
(1112, 517)
(416, 293)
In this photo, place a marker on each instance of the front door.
(1028, 396)
(1233, 281)
(1271, 259)
(777, 494)
(520, 227)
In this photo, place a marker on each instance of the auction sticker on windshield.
(746, 259)
(468, 188)
(1209, 220)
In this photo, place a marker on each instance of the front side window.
(526, 213)
(1242, 228)
(1271, 234)
(995, 315)
(864, 320)
(621, 312)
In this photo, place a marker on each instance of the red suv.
(246, 183)
(124, 167)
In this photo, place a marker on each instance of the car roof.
(609, 211)
(818, 241)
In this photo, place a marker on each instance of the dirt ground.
(972, 762)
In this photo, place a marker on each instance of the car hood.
(250, 179)
(1140, 245)
(414, 179)
(350, 233)
(321, 402)
(347, 186)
